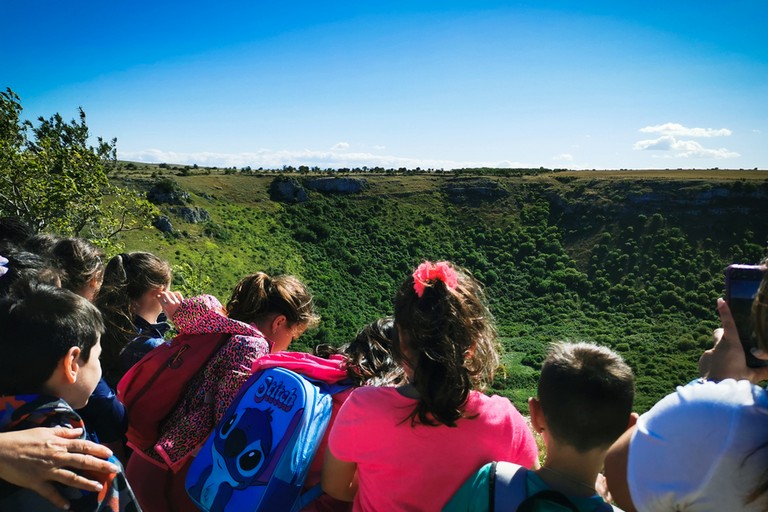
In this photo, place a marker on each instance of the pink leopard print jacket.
(211, 392)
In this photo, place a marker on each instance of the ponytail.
(80, 262)
(448, 338)
(127, 277)
(259, 295)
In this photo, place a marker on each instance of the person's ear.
(537, 416)
(278, 322)
(632, 419)
(71, 364)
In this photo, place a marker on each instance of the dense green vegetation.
(54, 180)
(630, 259)
(629, 262)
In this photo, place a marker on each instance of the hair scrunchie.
(428, 272)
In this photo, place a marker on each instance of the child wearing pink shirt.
(410, 448)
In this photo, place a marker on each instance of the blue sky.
(606, 85)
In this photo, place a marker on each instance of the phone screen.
(742, 283)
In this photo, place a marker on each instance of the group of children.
(416, 433)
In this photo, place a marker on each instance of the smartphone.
(741, 285)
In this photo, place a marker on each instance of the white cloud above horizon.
(670, 141)
(340, 146)
(563, 157)
(683, 148)
(678, 130)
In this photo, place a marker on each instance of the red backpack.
(155, 385)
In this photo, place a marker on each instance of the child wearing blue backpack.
(584, 404)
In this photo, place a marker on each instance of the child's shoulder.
(480, 402)
(34, 410)
(375, 392)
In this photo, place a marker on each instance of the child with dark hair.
(410, 447)
(584, 404)
(82, 265)
(53, 335)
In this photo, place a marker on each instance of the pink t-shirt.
(413, 468)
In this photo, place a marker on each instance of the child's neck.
(571, 472)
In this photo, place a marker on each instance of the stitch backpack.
(508, 492)
(153, 387)
(258, 456)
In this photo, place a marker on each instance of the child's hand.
(36, 457)
(170, 301)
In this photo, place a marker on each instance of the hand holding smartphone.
(741, 285)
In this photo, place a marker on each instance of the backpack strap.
(308, 496)
(507, 486)
(549, 495)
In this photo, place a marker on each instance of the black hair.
(586, 393)
(26, 266)
(369, 355)
(42, 244)
(39, 324)
(14, 230)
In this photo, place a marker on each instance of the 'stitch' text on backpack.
(258, 456)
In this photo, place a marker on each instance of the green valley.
(633, 260)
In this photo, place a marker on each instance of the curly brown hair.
(448, 337)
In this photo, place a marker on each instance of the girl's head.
(132, 282)
(42, 326)
(82, 265)
(130, 287)
(447, 339)
(370, 355)
(281, 307)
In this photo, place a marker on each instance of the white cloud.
(505, 164)
(683, 148)
(340, 146)
(678, 130)
(270, 159)
(564, 157)
(379, 148)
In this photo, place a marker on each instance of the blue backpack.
(257, 457)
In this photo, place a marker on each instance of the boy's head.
(50, 338)
(585, 394)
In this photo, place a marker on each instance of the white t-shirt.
(698, 449)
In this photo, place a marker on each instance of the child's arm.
(339, 478)
(37, 457)
(616, 471)
(193, 315)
